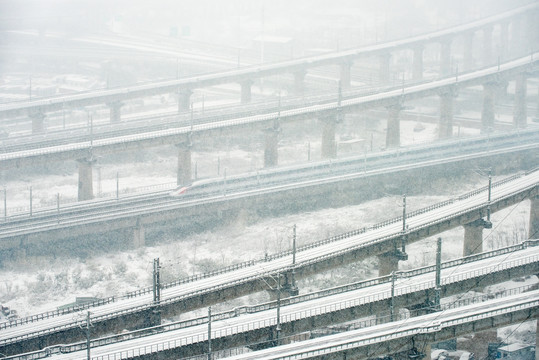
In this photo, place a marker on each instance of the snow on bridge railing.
(311, 312)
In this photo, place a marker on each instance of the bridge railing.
(369, 298)
(327, 309)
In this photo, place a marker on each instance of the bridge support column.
(115, 111)
(246, 91)
(290, 287)
(86, 191)
(533, 232)
(445, 127)
(468, 51)
(346, 78)
(473, 236)
(38, 122)
(387, 263)
(487, 45)
(417, 72)
(383, 72)
(427, 351)
(517, 35)
(487, 114)
(299, 82)
(183, 176)
(445, 56)
(139, 239)
(520, 116)
(393, 126)
(329, 147)
(504, 40)
(184, 100)
(271, 145)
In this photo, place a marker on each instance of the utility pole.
(489, 193)
(392, 303)
(278, 328)
(5, 204)
(209, 333)
(156, 282)
(294, 246)
(438, 287)
(88, 336)
(403, 254)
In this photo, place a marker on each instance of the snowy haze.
(42, 283)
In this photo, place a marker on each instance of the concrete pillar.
(299, 82)
(445, 57)
(504, 40)
(427, 351)
(393, 126)
(468, 51)
(139, 235)
(520, 116)
(38, 122)
(184, 163)
(534, 219)
(289, 287)
(487, 114)
(530, 34)
(329, 147)
(383, 72)
(518, 36)
(487, 45)
(246, 91)
(271, 145)
(86, 191)
(184, 100)
(418, 63)
(115, 111)
(445, 127)
(387, 263)
(346, 78)
(473, 236)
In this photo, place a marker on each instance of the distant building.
(516, 352)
